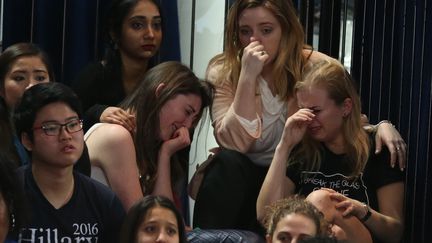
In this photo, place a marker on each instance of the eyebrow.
(66, 120)
(141, 17)
(193, 109)
(33, 71)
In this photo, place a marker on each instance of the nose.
(64, 134)
(255, 37)
(162, 237)
(149, 34)
(188, 122)
(30, 84)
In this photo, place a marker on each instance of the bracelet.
(375, 127)
(368, 213)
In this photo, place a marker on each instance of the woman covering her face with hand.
(254, 79)
(324, 145)
(152, 159)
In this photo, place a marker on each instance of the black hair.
(12, 193)
(37, 97)
(12, 53)
(7, 132)
(138, 212)
(117, 13)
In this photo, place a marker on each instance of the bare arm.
(387, 224)
(163, 186)
(111, 148)
(276, 185)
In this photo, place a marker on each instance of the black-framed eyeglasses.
(53, 129)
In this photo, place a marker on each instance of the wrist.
(368, 213)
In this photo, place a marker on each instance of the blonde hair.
(289, 62)
(332, 76)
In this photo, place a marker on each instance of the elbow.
(398, 232)
(260, 213)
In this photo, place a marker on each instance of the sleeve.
(381, 173)
(92, 115)
(85, 84)
(228, 130)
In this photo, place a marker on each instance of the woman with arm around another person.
(151, 159)
(323, 145)
(254, 80)
(134, 34)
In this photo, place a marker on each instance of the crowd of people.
(106, 160)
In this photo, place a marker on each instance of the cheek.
(244, 40)
(143, 237)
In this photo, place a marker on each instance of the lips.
(148, 47)
(314, 129)
(68, 149)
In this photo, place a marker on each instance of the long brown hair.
(331, 75)
(178, 79)
(288, 64)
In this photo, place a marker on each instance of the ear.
(159, 89)
(347, 107)
(26, 142)
(268, 238)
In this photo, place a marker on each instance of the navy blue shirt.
(93, 213)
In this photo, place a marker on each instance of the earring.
(12, 220)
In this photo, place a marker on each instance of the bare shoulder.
(108, 141)
(110, 133)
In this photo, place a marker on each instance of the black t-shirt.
(98, 87)
(334, 172)
(93, 213)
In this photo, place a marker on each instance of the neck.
(132, 71)
(337, 146)
(267, 74)
(56, 184)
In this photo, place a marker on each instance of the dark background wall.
(391, 61)
(71, 31)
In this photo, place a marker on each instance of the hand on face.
(347, 205)
(254, 57)
(296, 125)
(178, 141)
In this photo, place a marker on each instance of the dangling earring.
(12, 220)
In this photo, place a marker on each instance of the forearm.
(276, 185)
(244, 99)
(385, 228)
(163, 177)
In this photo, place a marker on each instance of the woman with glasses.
(65, 206)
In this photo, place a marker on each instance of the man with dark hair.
(65, 206)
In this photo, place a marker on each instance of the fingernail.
(376, 151)
(392, 165)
